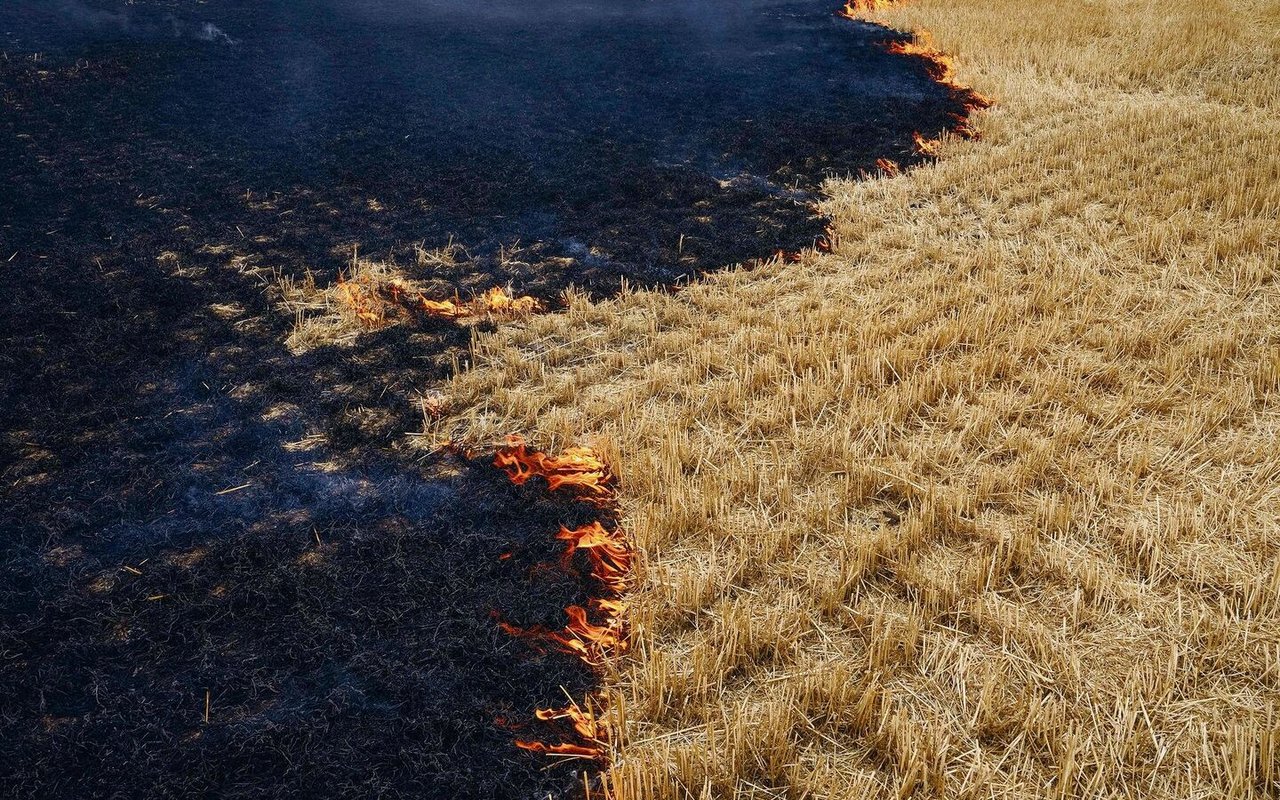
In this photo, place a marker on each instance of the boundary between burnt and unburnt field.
(592, 728)
(1000, 449)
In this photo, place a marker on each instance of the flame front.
(362, 300)
(578, 468)
(602, 556)
(940, 67)
(598, 631)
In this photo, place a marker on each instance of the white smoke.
(129, 22)
(212, 33)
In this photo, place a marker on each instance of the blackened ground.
(187, 508)
(337, 627)
(650, 141)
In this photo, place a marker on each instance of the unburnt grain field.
(986, 501)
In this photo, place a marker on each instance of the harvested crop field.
(247, 243)
(971, 491)
(986, 501)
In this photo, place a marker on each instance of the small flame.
(496, 300)
(579, 468)
(888, 166)
(362, 301)
(597, 631)
(852, 8)
(499, 301)
(591, 751)
(609, 552)
(572, 721)
(941, 68)
(591, 642)
(584, 722)
(377, 302)
(926, 147)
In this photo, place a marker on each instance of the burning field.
(985, 501)
(248, 246)
(864, 457)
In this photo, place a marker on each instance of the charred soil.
(224, 572)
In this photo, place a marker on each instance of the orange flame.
(361, 300)
(499, 301)
(925, 147)
(377, 302)
(592, 751)
(579, 468)
(609, 552)
(582, 722)
(852, 8)
(610, 556)
(496, 300)
(590, 642)
(941, 68)
(888, 166)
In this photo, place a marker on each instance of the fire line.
(940, 67)
(597, 632)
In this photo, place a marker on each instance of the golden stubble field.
(986, 501)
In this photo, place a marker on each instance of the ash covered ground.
(188, 512)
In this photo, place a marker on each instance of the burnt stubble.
(190, 514)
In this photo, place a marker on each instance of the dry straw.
(986, 501)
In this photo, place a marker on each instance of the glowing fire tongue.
(495, 301)
(584, 726)
(609, 552)
(579, 468)
(597, 632)
(853, 7)
(378, 304)
(942, 69)
(939, 66)
(592, 643)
